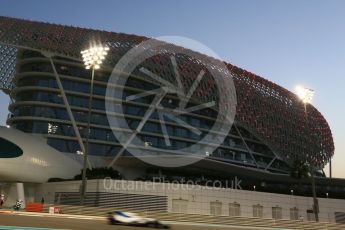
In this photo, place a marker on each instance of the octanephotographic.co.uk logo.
(170, 106)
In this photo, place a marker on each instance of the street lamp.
(92, 58)
(306, 96)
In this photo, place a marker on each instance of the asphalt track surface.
(20, 222)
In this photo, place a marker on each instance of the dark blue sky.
(288, 42)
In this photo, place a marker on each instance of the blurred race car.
(132, 219)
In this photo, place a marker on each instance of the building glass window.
(181, 132)
(73, 146)
(133, 124)
(195, 122)
(151, 127)
(243, 157)
(170, 130)
(134, 110)
(152, 141)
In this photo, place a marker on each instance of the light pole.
(92, 58)
(330, 167)
(306, 95)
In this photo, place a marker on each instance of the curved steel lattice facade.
(273, 114)
(38, 108)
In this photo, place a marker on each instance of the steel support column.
(68, 108)
(245, 144)
(21, 193)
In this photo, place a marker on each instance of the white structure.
(27, 158)
(38, 161)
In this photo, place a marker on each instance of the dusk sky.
(288, 42)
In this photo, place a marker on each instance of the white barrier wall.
(198, 199)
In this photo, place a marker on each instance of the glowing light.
(94, 56)
(52, 129)
(305, 94)
(147, 144)
(38, 161)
